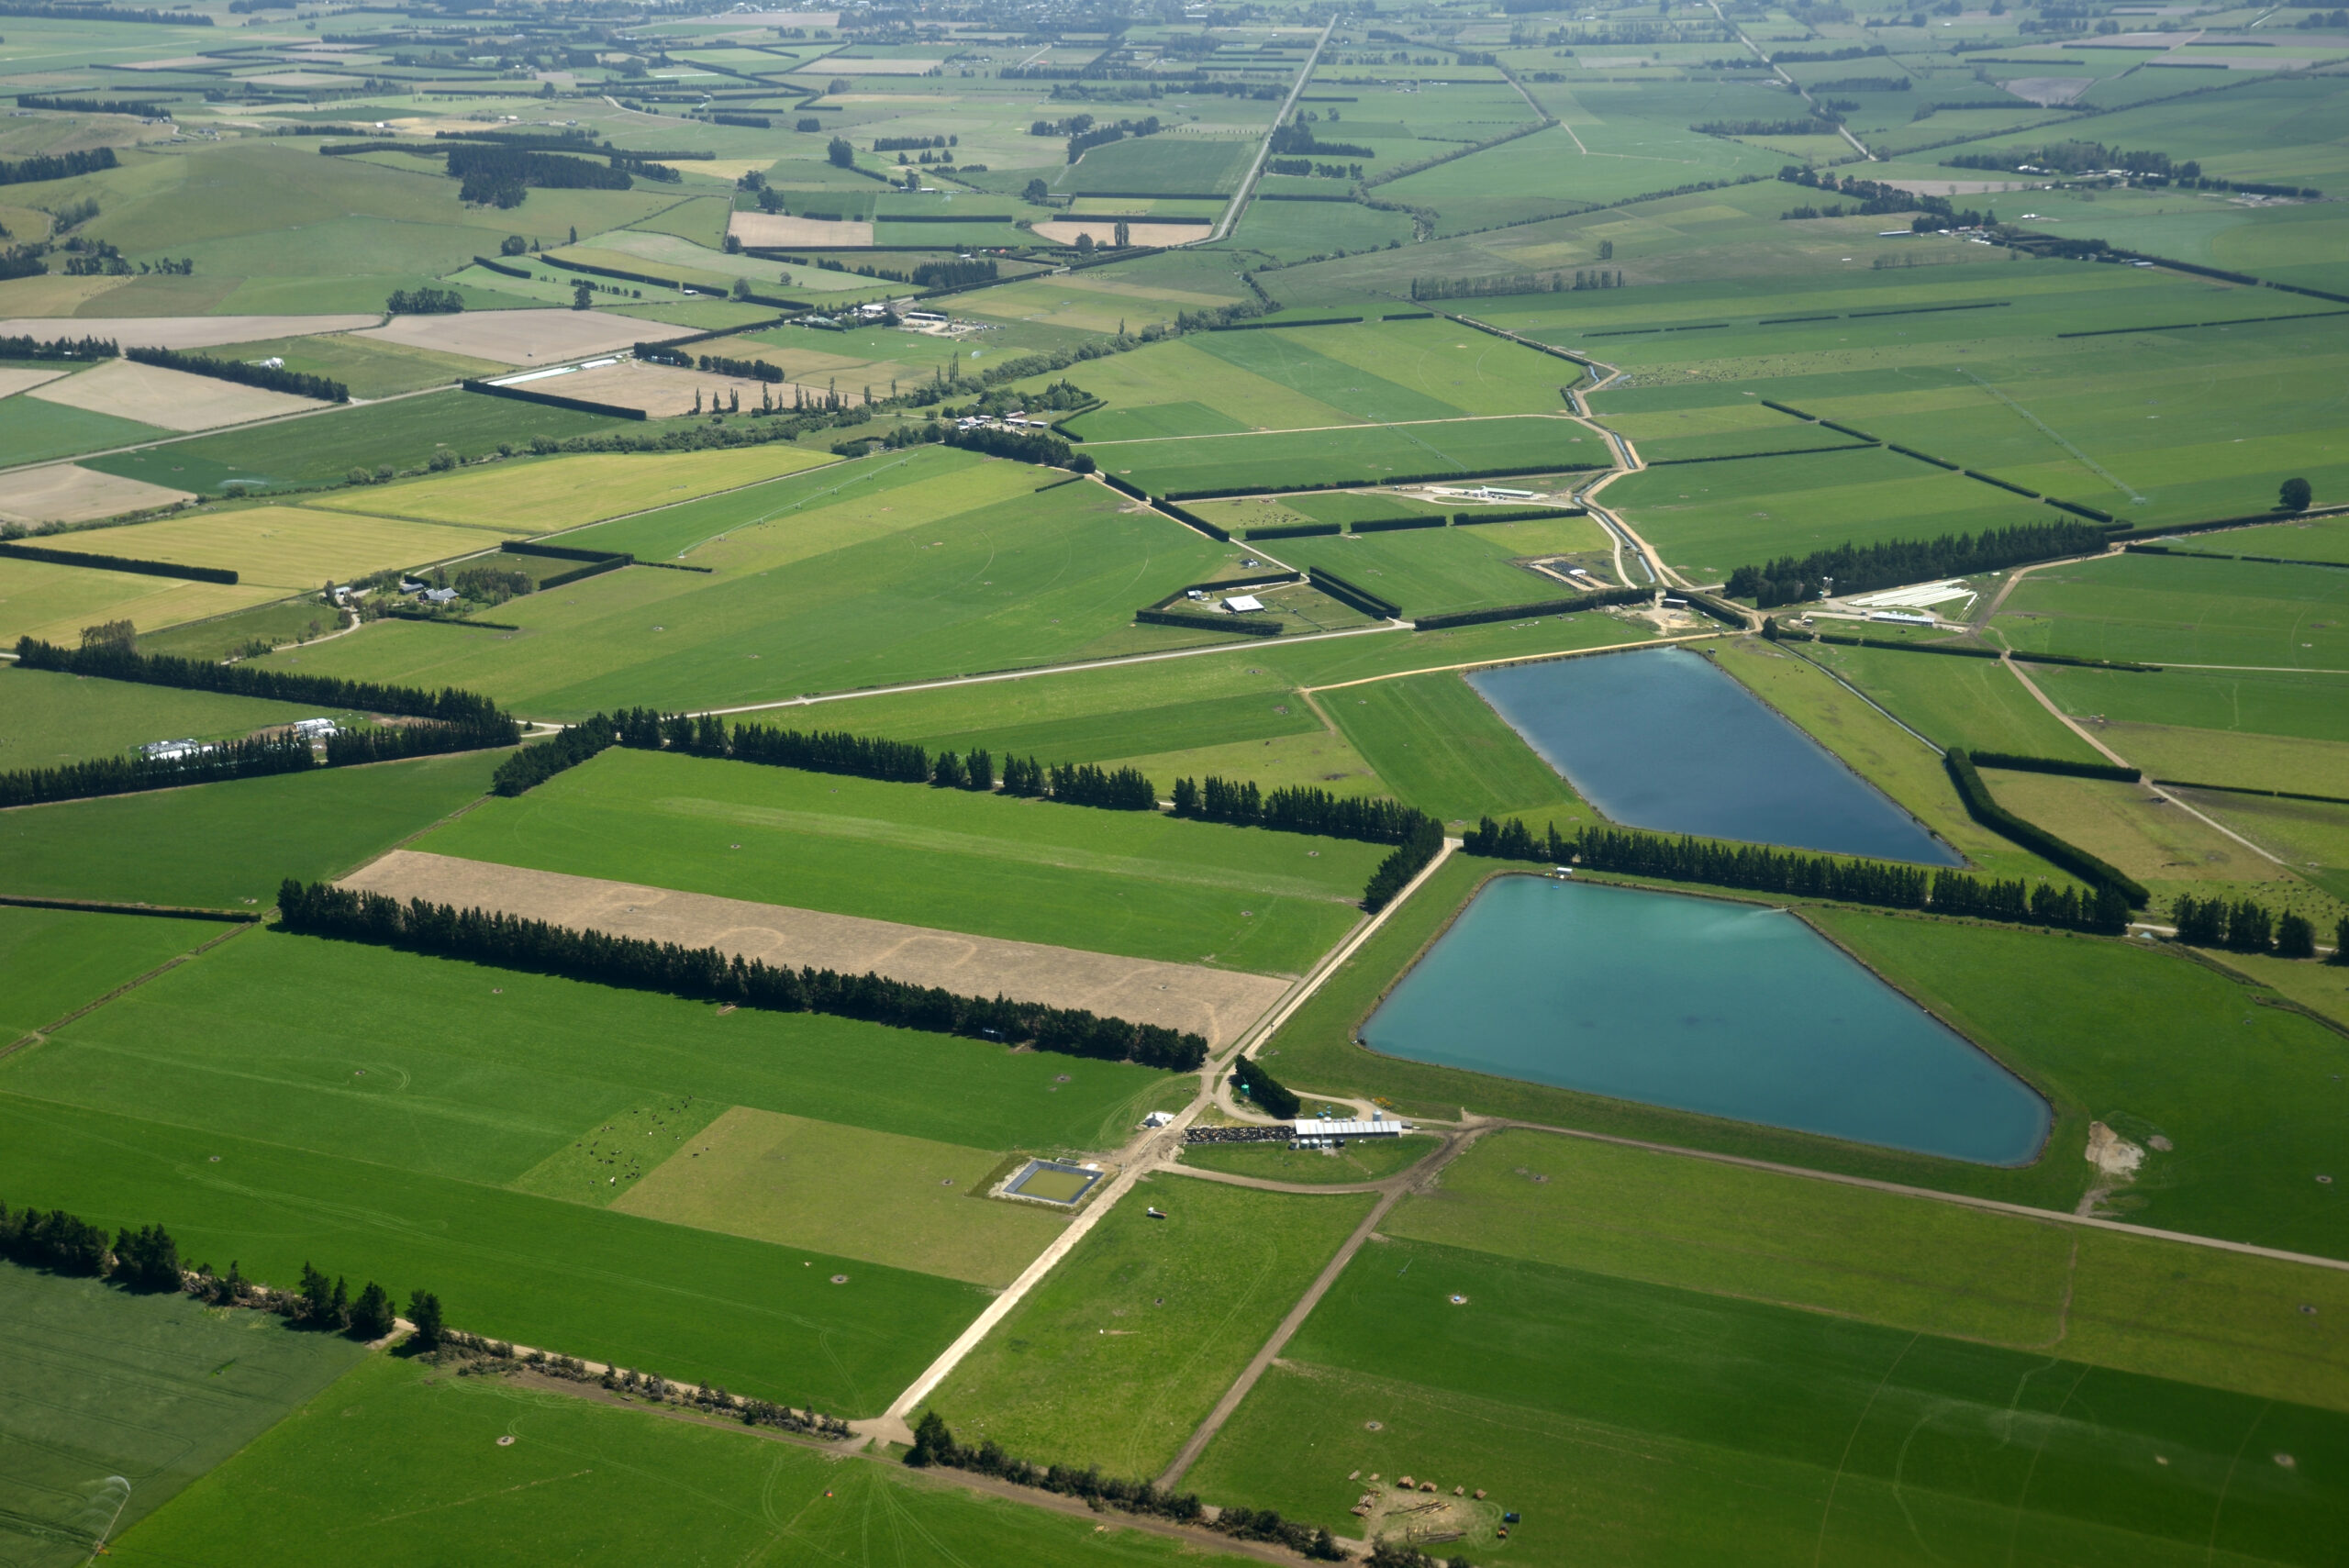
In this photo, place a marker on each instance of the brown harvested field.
(771, 230)
(1066, 231)
(523, 336)
(662, 391)
(181, 331)
(1216, 1003)
(173, 399)
(15, 381)
(60, 493)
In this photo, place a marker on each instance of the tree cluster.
(59, 165)
(389, 743)
(123, 775)
(1045, 451)
(57, 348)
(424, 302)
(975, 772)
(115, 662)
(1412, 857)
(2242, 925)
(274, 379)
(1762, 869)
(749, 370)
(1266, 1093)
(1296, 808)
(934, 1444)
(1515, 282)
(1857, 569)
(502, 176)
(1084, 783)
(508, 942)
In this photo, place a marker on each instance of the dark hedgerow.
(707, 974)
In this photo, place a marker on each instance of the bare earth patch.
(768, 230)
(1216, 1003)
(1065, 232)
(523, 336)
(181, 331)
(62, 492)
(663, 392)
(15, 381)
(173, 399)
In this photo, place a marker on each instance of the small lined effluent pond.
(1664, 739)
(1733, 1009)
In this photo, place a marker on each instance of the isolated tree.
(1037, 191)
(2340, 942)
(583, 295)
(2294, 495)
(2295, 937)
(147, 1260)
(1085, 244)
(933, 1443)
(371, 1315)
(841, 153)
(1607, 249)
(1125, 235)
(741, 288)
(513, 245)
(424, 1311)
(339, 1305)
(575, 234)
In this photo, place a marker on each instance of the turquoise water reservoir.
(1735, 1010)
(1664, 739)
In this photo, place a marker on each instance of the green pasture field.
(1903, 767)
(1359, 454)
(290, 548)
(1706, 1427)
(2233, 705)
(2117, 1301)
(1294, 230)
(35, 430)
(370, 369)
(47, 719)
(58, 959)
(1362, 1160)
(2158, 608)
(1301, 378)
(2220, 757)
(1437, 571)
(2107, 1030)
(1196, 1292)
(557, 493)
(238, 632)
(1141, 884)
(2168, 851)
(1973, 703)
(1722, 430)
(490, 1074)
(229, 845)
(973, 571)
(1709, 519)
(111, 1404)
(400, 1464)
(1158, 166)
(1443, 749)
(322, 449)
(54, 603)
(2317, 538)
(879, 1198)
(2311, 836)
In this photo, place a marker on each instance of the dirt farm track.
(1218, 1003)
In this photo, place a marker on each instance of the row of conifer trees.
(510, 941)
(1762, 869)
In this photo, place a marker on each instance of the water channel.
(1703, 1004)
(1664, 739)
